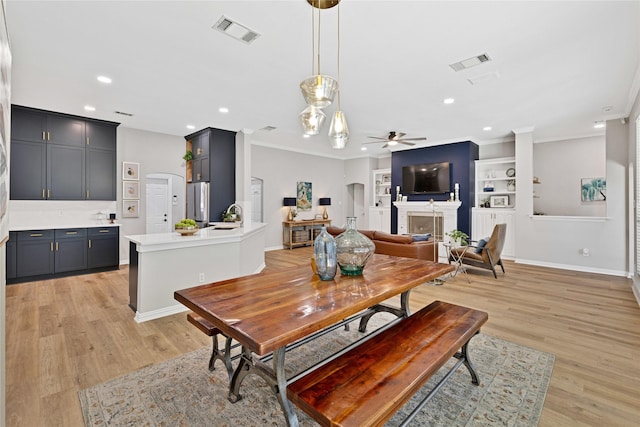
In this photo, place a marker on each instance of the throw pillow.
(481, 244)
(421, 237)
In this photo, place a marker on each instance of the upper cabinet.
(60, 157)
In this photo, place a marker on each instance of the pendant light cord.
(339, 82)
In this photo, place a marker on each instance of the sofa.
(401, 245)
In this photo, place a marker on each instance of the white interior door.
(355, 204)
(158, 208)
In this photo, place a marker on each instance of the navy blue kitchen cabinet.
(34, 253)
(61, 157)
(70, 250)
(103, 247)
(44, 254)
(11, 256)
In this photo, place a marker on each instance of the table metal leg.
(281, 380)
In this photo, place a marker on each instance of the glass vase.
(324, 252)
(353, 249)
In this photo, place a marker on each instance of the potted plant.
(188, 155)
(458, 237)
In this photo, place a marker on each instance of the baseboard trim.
(635, 287)
(573, 267)
(156, 314)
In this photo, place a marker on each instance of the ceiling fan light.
(338, 131)
(312, 119)
(392, 142)
(319, 90)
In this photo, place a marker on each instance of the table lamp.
(325, 201)
(289, 201)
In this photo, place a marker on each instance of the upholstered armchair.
(484, 256)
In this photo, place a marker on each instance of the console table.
(301, 233)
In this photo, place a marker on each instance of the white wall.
(634, 232)
(560, 166)
(281, 170)
(557, 241)
(156, 153)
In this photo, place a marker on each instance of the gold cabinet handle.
(51, 246)
(57, 247)
(199, 176)
(88, 142)
(199, 151)
(48, 193)
(43, 193)
(87, 194)
(89, 243)
(35, 235)
(48, 136)
(43, 136)
(71, 232)
(104, 231)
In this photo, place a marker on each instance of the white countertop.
(204, 236)
(90, 224)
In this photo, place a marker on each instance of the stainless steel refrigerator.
(198, 203)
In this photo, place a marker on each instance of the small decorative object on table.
(325, 258)
(186, 227)
(353, 249)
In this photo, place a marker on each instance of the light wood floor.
(67, 334)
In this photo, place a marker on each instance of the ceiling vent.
(235, 30)
(123, 113)
(470, 62)
(268, 128)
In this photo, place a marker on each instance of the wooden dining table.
(269, 312)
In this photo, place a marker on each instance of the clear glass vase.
(324, 252)
(353, 249)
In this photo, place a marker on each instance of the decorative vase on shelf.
(353, 249)
(324, 252)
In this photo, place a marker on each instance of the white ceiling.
(559, 63)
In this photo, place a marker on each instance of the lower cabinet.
(34, 251)
(483, 221)
(380, 218)
(70, 250)
(34, 254)
(103, 247)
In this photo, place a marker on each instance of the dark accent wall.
(461, 155)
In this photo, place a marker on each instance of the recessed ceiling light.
(449, 101)
(599, 125)
(104, 79)
(89, 108)
(487, 128)
(306, 136)
(223, 109)
(363, 148)
(191, 127)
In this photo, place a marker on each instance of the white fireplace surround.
(449, 212)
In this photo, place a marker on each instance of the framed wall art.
(130, 190)
(593, 189)
(130, 171)
(130, 208)
(303, 196)
(499, 201)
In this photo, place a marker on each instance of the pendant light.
(312, 119)
(338, 130)
(318, 90)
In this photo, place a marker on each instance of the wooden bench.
(216, 354)
(368, 384)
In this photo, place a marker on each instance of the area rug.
(183, 392)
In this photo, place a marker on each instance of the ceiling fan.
(395, 138)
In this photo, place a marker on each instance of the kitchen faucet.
(237, 209)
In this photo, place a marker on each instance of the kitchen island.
(162, 263)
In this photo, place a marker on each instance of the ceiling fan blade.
(414, 139)
(403, 141)
(378, 138)
(385, 146)
(399, 134)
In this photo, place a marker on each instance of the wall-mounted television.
(428, 178)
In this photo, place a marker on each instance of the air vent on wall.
(123, 113)
(470, 62)
(235, 30)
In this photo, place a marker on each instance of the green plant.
(186, 223)
(188, 155)
(458, 236)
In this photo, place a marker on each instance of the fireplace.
(423, 213)
(426, 222)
